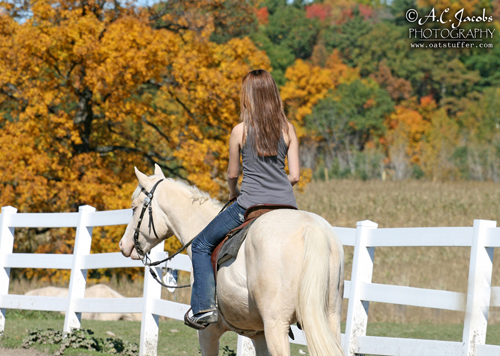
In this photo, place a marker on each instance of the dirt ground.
(21, 352)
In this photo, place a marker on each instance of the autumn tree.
(89, 89)
(405, 136)
(308, 83)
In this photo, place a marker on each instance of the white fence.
(482, 238)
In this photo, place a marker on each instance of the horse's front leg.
(209, 339)
(260, 345)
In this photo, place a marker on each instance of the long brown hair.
(262, 112)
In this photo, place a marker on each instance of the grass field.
(176, 339)
(410, 204)
(343, 203)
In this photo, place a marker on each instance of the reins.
(147, 203)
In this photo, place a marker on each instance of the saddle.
(228, 248)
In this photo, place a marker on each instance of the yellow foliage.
(88, 92)
(440, 143)
(307, 84)
(407, 125)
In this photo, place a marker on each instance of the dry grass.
(409, 204)
(390, 204)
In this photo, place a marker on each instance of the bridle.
(147, 204)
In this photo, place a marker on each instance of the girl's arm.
(293, 156)
(233, 170)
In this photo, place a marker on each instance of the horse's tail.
(314, 293)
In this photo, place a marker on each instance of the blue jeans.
(203, 289)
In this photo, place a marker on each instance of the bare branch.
(157, 129)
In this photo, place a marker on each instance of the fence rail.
(482, 238)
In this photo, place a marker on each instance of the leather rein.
(146, 261)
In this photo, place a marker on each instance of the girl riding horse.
(264, 138)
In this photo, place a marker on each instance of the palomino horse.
(290, 268)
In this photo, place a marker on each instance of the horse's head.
(153, 228)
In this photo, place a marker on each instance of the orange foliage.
(398, 88)
(89, 90)
(339, 10)
(262, 15)
(319, 11)
(307, 84)
(410, 124)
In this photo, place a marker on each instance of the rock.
(110, 333)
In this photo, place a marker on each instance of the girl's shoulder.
(239, 127)
(290, 135)
(237, 133)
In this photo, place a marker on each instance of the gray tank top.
(264, 178)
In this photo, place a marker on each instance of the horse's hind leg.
(209, 340)
(277, 338)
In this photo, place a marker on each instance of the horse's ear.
(158, 171)
(143, 179)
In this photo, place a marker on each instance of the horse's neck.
(185, 217)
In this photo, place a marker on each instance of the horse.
(289, 269)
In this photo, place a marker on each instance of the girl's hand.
(234, 194)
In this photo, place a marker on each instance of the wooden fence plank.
(32, 302)
(52, 220)
(495, 297)
(347, 235)
(6, 248)
(38, 260)
(78, 278)
(391, 346)
(109, 305)
(421, 236)
(109, 218)
(479, 288)
(362, 270)
(417, 297)
(169, 309)
(150, 320)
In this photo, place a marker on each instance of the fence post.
(78, 279)
(478, 289)
(6, 248)
(150, 321)
(245, 346)
(362, 270)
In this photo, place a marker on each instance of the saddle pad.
(228, 248)
(232, 244)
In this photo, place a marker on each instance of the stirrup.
(200, 323)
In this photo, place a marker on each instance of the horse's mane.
(197, 195)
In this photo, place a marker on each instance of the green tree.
(291, 28)
(349, 117)
(233, 18)
(346, 37)
(486, 62)
(273, 5)
(281, 55)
